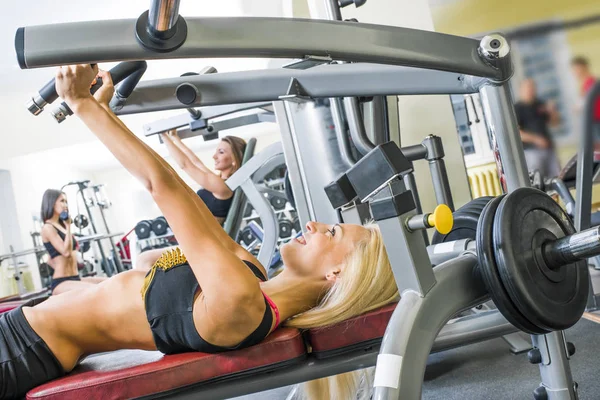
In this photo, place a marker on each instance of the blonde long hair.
(366, 283)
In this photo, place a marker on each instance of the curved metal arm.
(115, 40)
(356, 124)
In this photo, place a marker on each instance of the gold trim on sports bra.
(168, 260)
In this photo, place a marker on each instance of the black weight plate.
(277, 202)
(465, 222)
(142, 229)
(159, 226)
(490, 274)
(552, 300)
(285, 228)
(247, 236)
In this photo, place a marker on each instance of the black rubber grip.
(48, 92)
(129, 83)
(20, 47)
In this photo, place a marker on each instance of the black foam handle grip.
(132, 79)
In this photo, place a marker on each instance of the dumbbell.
(247, 236)
(159, 226)
(285, 228)
(81, 221)
(143, 229)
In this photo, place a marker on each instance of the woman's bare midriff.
(109, 316)
(64, 266)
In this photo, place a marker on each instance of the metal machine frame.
(429, 297)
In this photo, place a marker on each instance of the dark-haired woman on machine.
(61, 245)
(214, 192)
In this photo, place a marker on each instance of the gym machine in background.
(111, 264)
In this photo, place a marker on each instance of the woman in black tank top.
(61, 245)
(228, 157)
(214, 192)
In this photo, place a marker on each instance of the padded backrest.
(234, 216)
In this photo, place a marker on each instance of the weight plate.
(285, 228)
(277, 202)
(247, 236)
(142, 229)
(490, 274)
(159, 226)
(552, 300)
(465, 222)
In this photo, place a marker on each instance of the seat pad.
(136, 373)
(353, 332)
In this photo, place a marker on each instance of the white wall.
(419, 115)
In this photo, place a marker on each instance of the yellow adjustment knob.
(441, 219)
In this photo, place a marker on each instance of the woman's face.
(61, 204)
(223, 156)
(322, 249)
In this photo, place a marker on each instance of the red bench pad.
(364, 328)
(9, 305)
(136, 373)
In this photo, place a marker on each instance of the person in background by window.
(581, 69)
(534, 118)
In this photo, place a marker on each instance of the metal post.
(356, 124)
(340, 131)
(503, 128)
(117, 258)
(93, 225)
(378, 122)
(20, 286)
(411, 184)
(162, 16)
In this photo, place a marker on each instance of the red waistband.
(274, 307)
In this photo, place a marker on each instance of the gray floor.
(487, 371)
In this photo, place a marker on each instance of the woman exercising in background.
(228, 158)
(215, 193)
(211, 295)
(61, 245)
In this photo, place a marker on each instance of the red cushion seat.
(9, 305)
(347, 335)
(136, 373)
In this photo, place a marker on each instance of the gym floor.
(488, 371)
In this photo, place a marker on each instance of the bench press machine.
(418, 62)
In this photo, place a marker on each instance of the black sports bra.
(52, 252)
(219, 208)
(168, 295)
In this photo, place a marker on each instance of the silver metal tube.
(417, 222)
(342, 137)
(502, 125)
(576, 247)
(556, 374)
(333, 10)
(565, 194)
(356, 124)
(377, 121)
(162, 15)
(442, 252)
(585, 161)
(472, 330)
(441, 184)
(405, 348)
